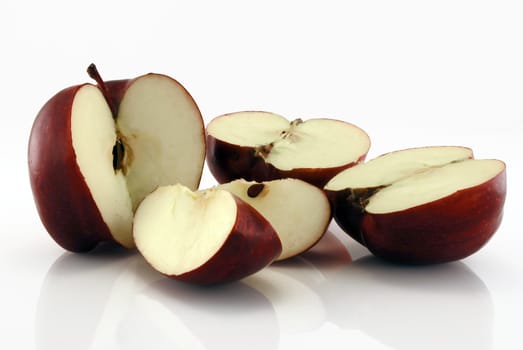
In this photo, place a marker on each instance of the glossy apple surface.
(426, 205)
(95, 152)
(204, 237)
(262, 146)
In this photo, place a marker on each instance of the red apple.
(421, 205)
(203, 237)
(264, 146)
(96, 151)
(299, 212)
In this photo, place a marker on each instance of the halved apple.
(96, 151)
(421, 205)
(263, 146)
(299, 212)
(203, 237)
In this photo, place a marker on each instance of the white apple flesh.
(264, 146)
(299, 212)
(424, 205)
(203, 237)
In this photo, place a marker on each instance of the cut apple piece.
(422, 205)
(203, 237)
(299, 212)
(96, 151)
(263, 146)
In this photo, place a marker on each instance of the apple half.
(421, 205)
(95, 151)
(203, 237)
(262, 146)
(299, 212)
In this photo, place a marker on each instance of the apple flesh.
(262, 146)
(421, 205)
(89, 167)
(299, 212)
(204, 237)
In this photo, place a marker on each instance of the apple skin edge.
(62, 198)
(116, 89)
(444, 230)
(252, 245)
(228, 162)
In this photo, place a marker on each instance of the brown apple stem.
(94, 74)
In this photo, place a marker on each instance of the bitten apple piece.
(422, 205)
(203, 237)
(96, 151)
(263, 146)
(299, 212)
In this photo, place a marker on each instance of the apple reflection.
(232, 316)
(293, 286)
(111, 299)
(443, 306)
(411, 307)
(75, 297)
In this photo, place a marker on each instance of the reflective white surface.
(116, 300)
(410, 73)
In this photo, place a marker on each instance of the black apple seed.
(254, 190)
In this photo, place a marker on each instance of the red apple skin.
(63, 200)
(347, 214)
(115, 91)
(228, 162)
(444, 230)
(252, 244)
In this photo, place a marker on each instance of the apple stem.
(94, 74)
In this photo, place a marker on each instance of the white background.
(411, 73)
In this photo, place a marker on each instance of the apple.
(203, 237)
(264, 146)
(299, 212)
(421, 205)
(95, 151)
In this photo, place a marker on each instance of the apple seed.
(254, 190)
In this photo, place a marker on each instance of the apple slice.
(263, 146)
(421, 205)
(299, 212)
(203, 237)
(96, 151)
